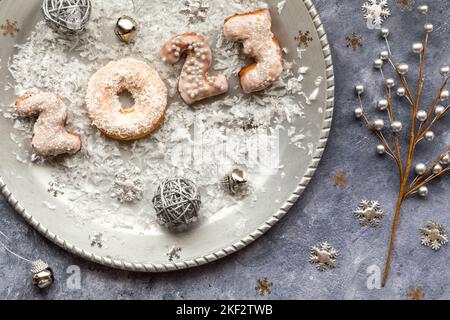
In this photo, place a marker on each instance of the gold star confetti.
(303, 39)
(10, 28)
(264, 287)
(340, 179)
(405, 5)
(416, 293)
(354, 41)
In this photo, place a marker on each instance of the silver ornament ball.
(403, 69)
(126, 29)
(429, 136)
(67, 17)
(444, 95)
(359, 89)
(423, 192)
(378, 124)
(420, 169)
(428, 28)
(378, 64)
(445, 71)
(396, 126)
(381, 150)
(358, 113)
(382, 105)
(417, 47)
(437, 169)
(401, 92)
(422, 115)
(390, 83)
(177, 203)
(42, 274)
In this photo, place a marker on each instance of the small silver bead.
(359, 89)
(382, 105)
(428, 28)
(445, 159)
(422, 115)
(385, 32)
(378, 124)
(381, 150)
(439, 110)
(445, 71)
(378, 64)
(384, 55)
(390, 83)
(437, 169)
(417, 47)
(423, 9)
(401, 92)
(420, 169)
(359, 113)
(403, 69)
(444, 95)
(429, 136)
(396, 126)
(423, 192)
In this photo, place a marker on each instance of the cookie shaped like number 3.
(50, 137)
(195, 84)
(254, 30)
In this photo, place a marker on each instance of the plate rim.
(172, 266)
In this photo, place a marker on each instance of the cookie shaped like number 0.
(195, 84)
(50, 137)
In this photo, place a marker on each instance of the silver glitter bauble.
(423, 191)
(385, 32)
(359, 112)
(126, 29)
(381, 150)
(403, 69)
(378, 64)
(235, 181)
(42, 274)
(382, 105)
(429, 136)
(359, 89)
(437, 169)
(422, 115)
(384, 55)
(420, 169)
(401, 92)
(177, 202)
(428, 28)
(378, 124)
(68, 17)
(396, 126)
(423, 9)
(417, 47)
(390, 83)
(445, 71)
(445, 95)
(439, 110)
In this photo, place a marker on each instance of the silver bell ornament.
(126, 29)
(42, 274)
(67, 17)
(177, 203)
(235, 181)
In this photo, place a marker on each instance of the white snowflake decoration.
(375, 13)
(323, 256)
(97, 240)
(173, 253)
(369, 213)
(195, 10)
(433, 235)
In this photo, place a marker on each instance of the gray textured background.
(323, 213)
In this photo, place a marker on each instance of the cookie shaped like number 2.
(50, 137)
(195, 84)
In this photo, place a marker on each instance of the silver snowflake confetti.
(173, 253)
(433, 235)
(264, 286)
(323, 256)
(369, 213)
(195, 10)
(127, 187)
(375, 13)
(56, 188)
(97, 240)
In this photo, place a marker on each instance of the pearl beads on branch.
(422, 115)
(445, 159)
(382, 105)
(445, 71)
(420, 169)
(439, 110)
(429, 136)
(378, 64)
(401, 92)
(428, 28)
(396, 126)
(437, 169)
(390, 83)
(423, 9)
(403, 69)
(385, 33)
(417, 47)
(359, 89)
(423, 192)
(378, 124)
(381, 150)
(359, 113)
(384, 55)
(444, 95)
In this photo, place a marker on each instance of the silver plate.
(23, 185)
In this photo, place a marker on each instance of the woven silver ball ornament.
(42, 274)
(68, 17)
(177, 202)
